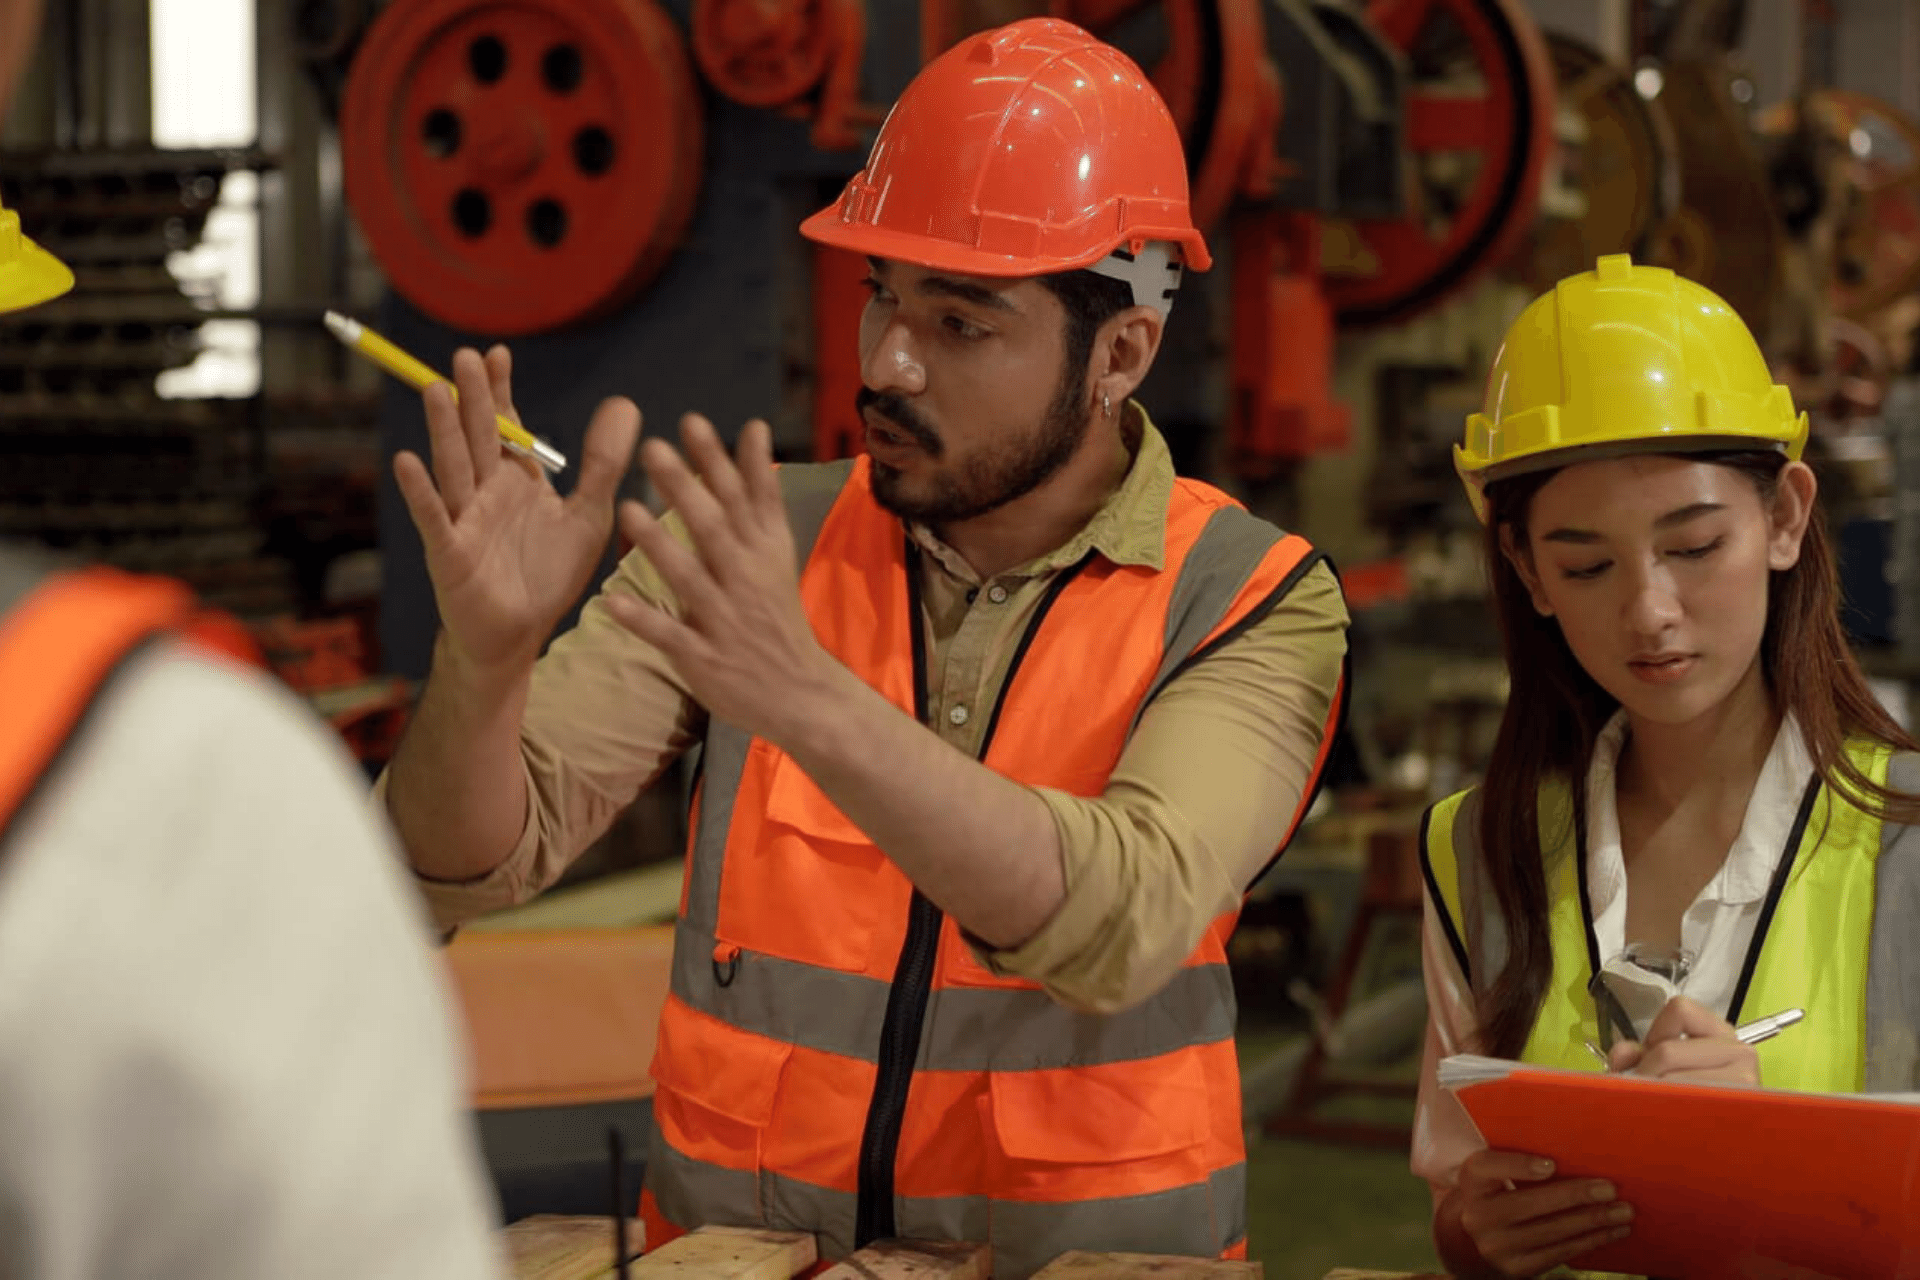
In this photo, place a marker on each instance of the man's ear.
(1123, 351)
(1522, 561)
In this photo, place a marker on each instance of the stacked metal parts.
(99, 465)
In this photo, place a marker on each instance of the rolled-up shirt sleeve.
(1210, 784)
(606, 716)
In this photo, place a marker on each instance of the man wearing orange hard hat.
(225, 1050)
(997, 723)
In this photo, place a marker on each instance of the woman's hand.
(1688, 1042)
(1521, 1220)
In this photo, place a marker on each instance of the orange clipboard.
(1726, 1183)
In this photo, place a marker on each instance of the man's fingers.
(708, 453)
(757, 469)
(423, 500)
(500, 380)
(683, 572)
(607, 452)
(682, 491)
(452, 461)
(657, 627)
(477, 413)
(1625, 1055)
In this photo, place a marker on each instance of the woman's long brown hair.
(1555, 712)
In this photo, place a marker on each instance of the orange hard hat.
(1023, 151)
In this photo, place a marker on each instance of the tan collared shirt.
(1203, 794)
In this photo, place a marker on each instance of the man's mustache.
(899, 413)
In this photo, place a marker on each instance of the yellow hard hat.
(1623, 359)
(29, 275)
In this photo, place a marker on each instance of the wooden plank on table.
(915, 1260)
(730, 1253)
(552, 1247)
(1080, 1265)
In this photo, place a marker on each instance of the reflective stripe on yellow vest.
(834, 1058)
(1836, 936)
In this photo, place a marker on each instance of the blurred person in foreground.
(215, 1064)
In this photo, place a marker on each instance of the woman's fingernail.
(1542, 1168)
(1619, 1232)
(1601, 1191)
(1621, 1213)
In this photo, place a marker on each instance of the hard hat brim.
(1477, 478)
(936, 254)
(33, 276)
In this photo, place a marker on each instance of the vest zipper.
(912, 986)
(899, 1046)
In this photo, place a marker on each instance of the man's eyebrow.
(966, 291)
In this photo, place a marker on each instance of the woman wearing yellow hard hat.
(1686, 734)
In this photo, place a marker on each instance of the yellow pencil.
(420, 377)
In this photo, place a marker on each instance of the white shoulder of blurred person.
(226, 1051)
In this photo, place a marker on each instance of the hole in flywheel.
(562, 68)
(472, 213)
(547, 223)
(440, 131)
(488, 58)
(593, 150)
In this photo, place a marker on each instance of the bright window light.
(203, 96)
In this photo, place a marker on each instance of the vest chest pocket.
(801, 882)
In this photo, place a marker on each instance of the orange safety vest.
(834, 1058)
(62, 637)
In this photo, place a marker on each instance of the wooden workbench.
(555, 1248)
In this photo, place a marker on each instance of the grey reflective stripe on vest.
(968, 1028)
(1893, 960)
(1230, 549)
(1200, 1220)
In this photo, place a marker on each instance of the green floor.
(1315, 1206)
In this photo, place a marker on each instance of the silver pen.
(1767, 1028)
(1747, 1033)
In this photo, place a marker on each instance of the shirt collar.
(1747, 872)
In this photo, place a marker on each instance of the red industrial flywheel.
(521, 165)
(1481, 99)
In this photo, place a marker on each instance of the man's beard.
(993, 476)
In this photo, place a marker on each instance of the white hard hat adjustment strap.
(1153, 273)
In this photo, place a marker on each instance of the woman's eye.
(1702, 551)
(1586, 571)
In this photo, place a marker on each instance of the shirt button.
(957, 716)
(997, 593)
